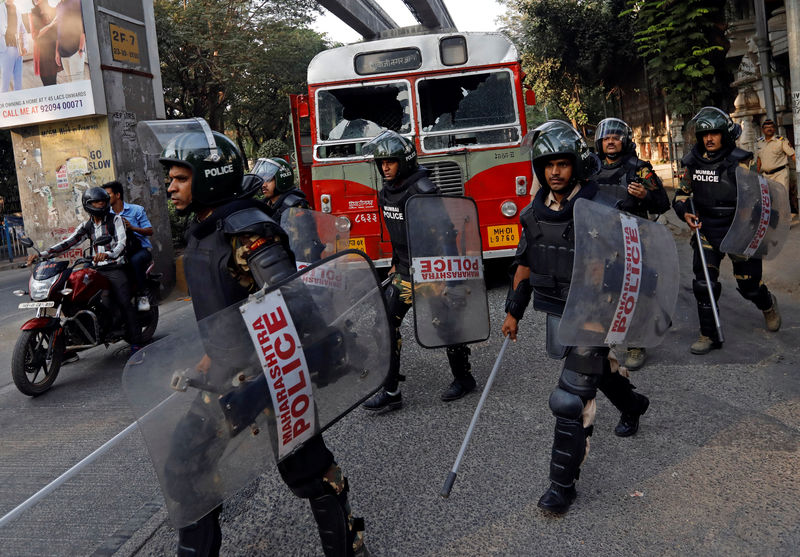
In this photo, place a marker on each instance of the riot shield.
(444, 242)
(762, 219)
(314, 235)
(221, 399)
(624, 280)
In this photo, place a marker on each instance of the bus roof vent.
(446, 175)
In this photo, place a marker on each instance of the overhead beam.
(432, 14)
(365, 17)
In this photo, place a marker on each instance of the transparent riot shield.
(220, 400)
(444, 241)
(624, 280)
(762, 219)
(314, 235)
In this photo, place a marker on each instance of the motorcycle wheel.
(148, 321)
(32, 372)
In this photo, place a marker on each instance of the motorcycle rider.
(396, 160)
(233, 249)
(108, 259)
(709, 178)
(562, 163)
(631, 183)
(139, 250)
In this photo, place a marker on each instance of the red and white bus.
(458, 96)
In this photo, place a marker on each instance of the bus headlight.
(508, 208)
(342, 224)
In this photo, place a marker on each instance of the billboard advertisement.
(44, 72)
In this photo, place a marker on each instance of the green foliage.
(684, 45)
(178, 225)
(575, 53)
(273, 148)
(233, 62)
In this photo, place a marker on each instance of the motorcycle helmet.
(614, 126)
(712, 119)
(557, 139)
(393, 146)
(277, 168)
(93, 195)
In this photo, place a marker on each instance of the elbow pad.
(270, 264)
(518, 299)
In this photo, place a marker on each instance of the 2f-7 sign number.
(124, 44)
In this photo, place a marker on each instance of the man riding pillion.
(562, 164)
(233, 249)
(396, 160)
(709, 182)
(632, 185)
(108, 259)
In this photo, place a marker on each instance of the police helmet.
(393, 146)
(216, 164)
(276, 168)
(614, 126)
(92, 195)
(712, 119)
(557, 139)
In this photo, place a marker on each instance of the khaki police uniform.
(775, 154)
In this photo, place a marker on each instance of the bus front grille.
(446, 175)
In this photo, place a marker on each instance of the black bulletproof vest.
(713, 182)
(393, 205)
(614, 179)
(550, 252)
(205, 261)
(292, 198)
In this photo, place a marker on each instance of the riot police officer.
(234, 248)
(709, 179)
(562, 163)
(630, 184)
(396, 160)
(278, 187)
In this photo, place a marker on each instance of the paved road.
(713, 470)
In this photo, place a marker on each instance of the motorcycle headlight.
(41, 288)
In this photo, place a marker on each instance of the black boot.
(202, 538)
(463, 382)
(629, 422)
(459, 387)
(384, 402)
(557, 498)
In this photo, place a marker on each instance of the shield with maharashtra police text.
(314, 235)
(761, 224)
(444, 241)
(624, 280)
(221, 400)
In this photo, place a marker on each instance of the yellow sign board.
(124, 44)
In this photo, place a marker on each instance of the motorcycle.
(74, 311)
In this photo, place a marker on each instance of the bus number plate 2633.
(506, 235)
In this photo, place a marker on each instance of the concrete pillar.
(793, 32)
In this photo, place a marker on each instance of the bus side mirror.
(530, 97)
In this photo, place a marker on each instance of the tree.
(233, 62)
(684, 45)
(575, 53)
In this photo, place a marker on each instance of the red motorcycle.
(74, 311)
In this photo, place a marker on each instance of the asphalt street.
(712, 471)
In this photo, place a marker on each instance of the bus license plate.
(506, 235)
(357, 243)
(35, 305)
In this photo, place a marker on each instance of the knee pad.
(202, 538)
(565, 404)
(700, 289)
(755, 292)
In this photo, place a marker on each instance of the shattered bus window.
(350, 116)
(468, 102)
